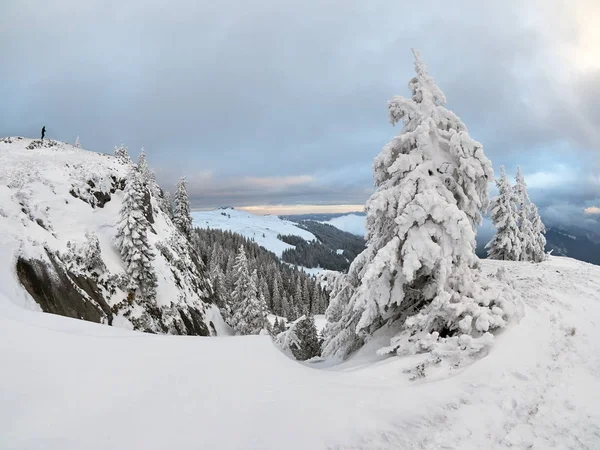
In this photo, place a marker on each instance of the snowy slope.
(262, 229)
(51, 195)
(69, 384)
(350, 223)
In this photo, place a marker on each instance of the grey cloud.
(275, 89)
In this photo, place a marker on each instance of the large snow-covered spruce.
(419, 276)
(61, 211)
(506, 243)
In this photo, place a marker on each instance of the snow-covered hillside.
(350, 223)
(68, 384)
(262, 229)
(56, 201)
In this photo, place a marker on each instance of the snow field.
(69, 384)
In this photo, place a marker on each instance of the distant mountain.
(309, 244)
(351, 223)
(318, 217)
(572, 241)
(264, 230)
(334, 249)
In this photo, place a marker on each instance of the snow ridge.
(57, 202)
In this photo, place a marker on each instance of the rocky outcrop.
(65, 251)
(59, 291)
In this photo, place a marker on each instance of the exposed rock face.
(59, 291)
(148, 206)
(97, 195)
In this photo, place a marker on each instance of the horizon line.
(293, 209)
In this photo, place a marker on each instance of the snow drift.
(68, 384)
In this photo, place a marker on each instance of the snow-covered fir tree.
(285, 308)
(240, 280)
(144, 169)
(263, 289)
(168, 204)
(77, 144)
(87, 255)
(122, 154)
(307, 344)
(148, 177)
(132, 239)
(506, 243)
(181, 212)
(527, 235)
(92, 254)
(276, 295)
(539, 230)
(248, 307)
(419, 271)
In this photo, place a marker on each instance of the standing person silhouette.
(43, 132)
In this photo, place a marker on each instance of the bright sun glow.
(592, 210)
(587, 52)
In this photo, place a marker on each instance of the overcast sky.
(273, 102)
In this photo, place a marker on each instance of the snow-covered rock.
(59, 210)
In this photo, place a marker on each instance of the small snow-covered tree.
(144, 169)
(306, 296)
(249, 310)
(87, 255)
(122, 154)
(263, 289)
(276, 296)
(307, 344)
(539, 230)
(286, 309)
(527, 235)
(132, 239)
(77, 144)
(181, 212)
(506, 243)
(240, 280)
(418, 274)
(149, 181)
(288, 339)
(221, 294)
(92, 255)
(168, 204)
